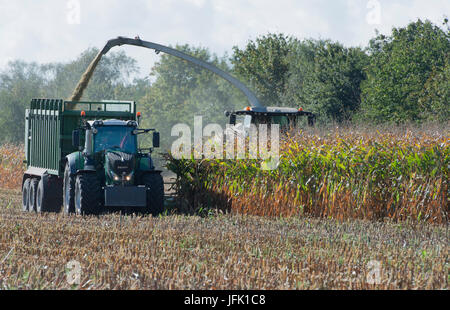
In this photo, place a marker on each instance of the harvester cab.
(286, 118)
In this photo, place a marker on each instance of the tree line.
(397, 78)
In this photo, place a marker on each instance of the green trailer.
(87, 159)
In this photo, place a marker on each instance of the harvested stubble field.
(334, 248)
(216, 252)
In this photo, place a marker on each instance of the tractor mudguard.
(146, 164)
(76, 162)
(85, 170)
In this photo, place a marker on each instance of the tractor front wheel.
(155, 193)
(68, 191)
(87, 194)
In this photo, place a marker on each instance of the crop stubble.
(216, 252)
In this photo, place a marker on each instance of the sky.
(59, 30)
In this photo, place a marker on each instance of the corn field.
(345, 173)
(11, 166)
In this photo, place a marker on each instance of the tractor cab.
(113, 135)
(113, 144)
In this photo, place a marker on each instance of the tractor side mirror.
(155, 139)
(76, 139)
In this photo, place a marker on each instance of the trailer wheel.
(68, 191)
(87, 194)
(25, 194)
(155, 193)
(32, 195)
(46, 199)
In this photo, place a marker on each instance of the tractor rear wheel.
(32, 195)
(68, 191)
(155, 193)
(87, 194)
(25, 194)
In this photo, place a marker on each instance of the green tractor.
(89, 160)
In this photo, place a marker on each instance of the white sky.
(51, 30)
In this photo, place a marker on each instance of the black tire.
(25, 194)
(87, 194)
(155, 193)
(46, 199)
(32, 195)
(68, 192)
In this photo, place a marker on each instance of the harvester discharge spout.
(82, 84)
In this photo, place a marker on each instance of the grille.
(121, 162)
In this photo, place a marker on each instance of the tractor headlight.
(123, 177)
(127, 177)
(114, 176)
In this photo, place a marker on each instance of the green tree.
(114, 70)
(264, 65)
(318, 75)
(434, 99)
(400, 66)
(182, 90)
(301, 64)
(21, 81)
(18, 84)
(325, 78)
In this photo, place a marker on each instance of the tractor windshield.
(115, 137)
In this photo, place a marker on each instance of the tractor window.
(115, 137)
